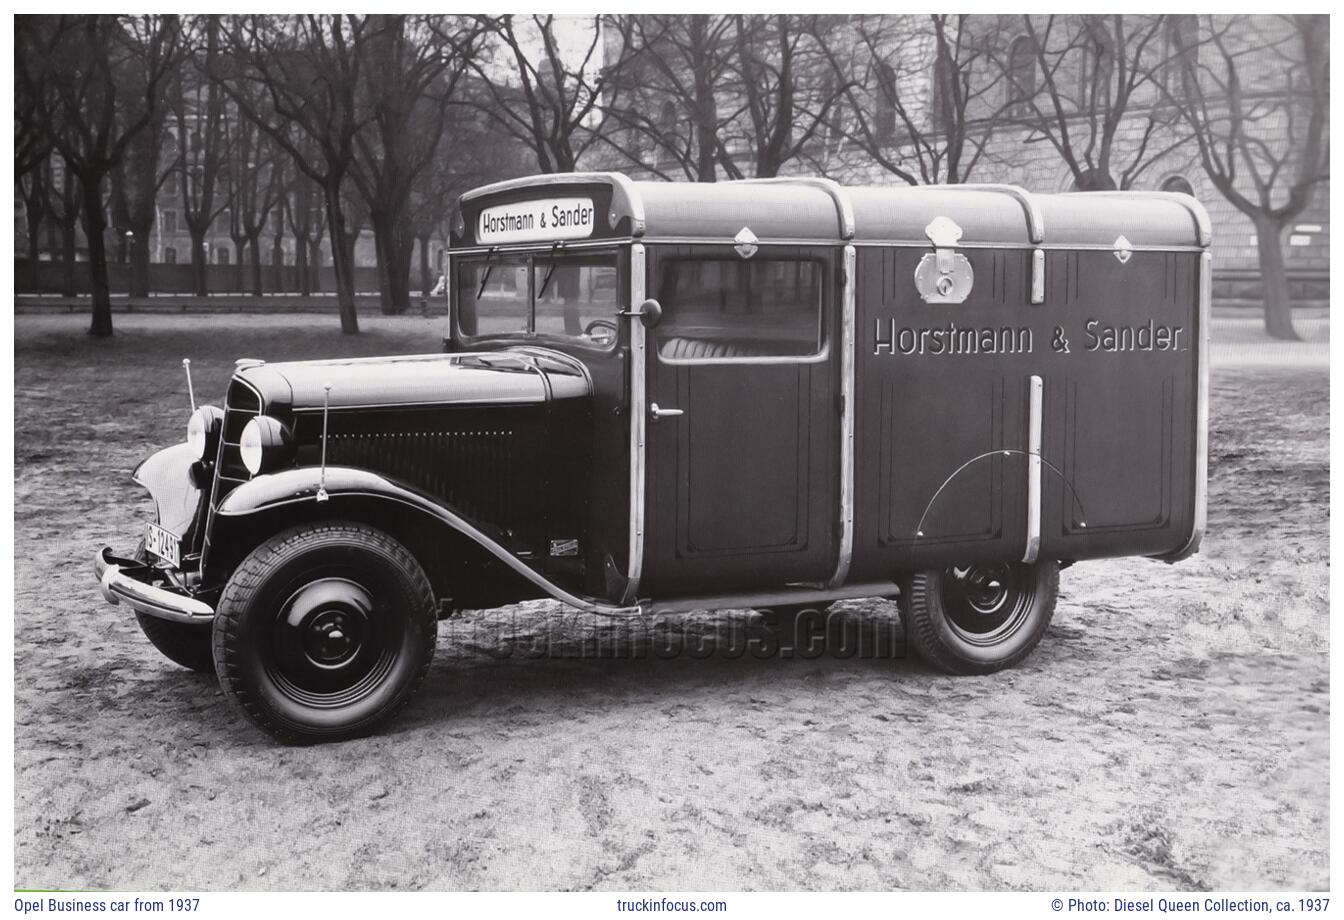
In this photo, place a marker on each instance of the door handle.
(657, 413)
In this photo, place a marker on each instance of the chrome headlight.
(266, 444)
(203, 431)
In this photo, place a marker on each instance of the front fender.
(166, 475)
(300, 486)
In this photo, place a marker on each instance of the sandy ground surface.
(1171, 732)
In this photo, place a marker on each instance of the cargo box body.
(1100, 379)
(812, 390)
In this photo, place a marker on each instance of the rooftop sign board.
(541, 219)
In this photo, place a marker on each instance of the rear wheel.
(323, 632)
(976, 619)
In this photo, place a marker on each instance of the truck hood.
(478, 378)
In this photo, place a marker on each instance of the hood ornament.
(1123, 249)
(746, 243)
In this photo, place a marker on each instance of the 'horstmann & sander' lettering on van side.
(545, 219)
(952, 339)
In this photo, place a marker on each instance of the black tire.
(183, 643)
(978, 619)
(324, 632)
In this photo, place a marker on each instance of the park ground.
(1171, 732)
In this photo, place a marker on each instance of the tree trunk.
(301, 266)
(68, 255)
(1274, 278)
(140, 266)
(425, 286)
(278, 263)
(34, 236)
(254, 251)
(200, 281)
(94, 224)
(342, 258)
(313, 283)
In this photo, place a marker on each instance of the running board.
(778, 597)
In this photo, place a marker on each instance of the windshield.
(573, 295)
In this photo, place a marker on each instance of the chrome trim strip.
(1201, 521)
(837, 192)
(638, 423)
(729, 241)
(619, 180)
(848, 346)
(1047, 247)
(1034, 472)
(820, 357)
(1038, 275)
(118, 587)
(1203, 226)
(1035, 219)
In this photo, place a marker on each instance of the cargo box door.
(743, 428)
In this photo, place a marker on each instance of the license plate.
(164, 544)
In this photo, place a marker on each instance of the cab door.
(743, 432)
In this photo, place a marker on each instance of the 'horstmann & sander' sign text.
(528, 221)
(891, 338)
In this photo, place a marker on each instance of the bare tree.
(411, 73)
(106, 79)
(556, 98)
(665, 86)
(255, 179)
(34, 188)
(787, 91)
(921, 95)
(1262, 131)
(308, 68)
(307, 224)
(1092, 81)
(201, 127)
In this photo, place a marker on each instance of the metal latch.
(945, 275)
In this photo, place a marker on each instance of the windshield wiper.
(550, 269)
(489, 267)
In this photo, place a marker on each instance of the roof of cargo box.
(798, 210)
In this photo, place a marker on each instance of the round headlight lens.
(265, 444)
(202, 428)
(249, 446)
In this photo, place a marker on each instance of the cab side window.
(740, 308)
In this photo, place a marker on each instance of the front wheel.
(324, 631)
(976, 619)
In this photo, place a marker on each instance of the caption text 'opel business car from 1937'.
(657, 396)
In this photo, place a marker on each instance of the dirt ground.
(1171, 732)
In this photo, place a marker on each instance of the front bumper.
(119, 584)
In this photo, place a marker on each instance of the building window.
(169, 221)
(1022, 82)
(221, 255)
(169, 255)
(886, 101)
(1178, 184)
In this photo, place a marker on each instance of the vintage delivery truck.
(654, 396)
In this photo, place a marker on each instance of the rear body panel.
(944, 401)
